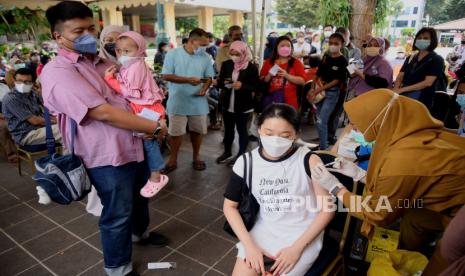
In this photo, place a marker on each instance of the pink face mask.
(284, 51)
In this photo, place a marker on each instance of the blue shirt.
(182, 99)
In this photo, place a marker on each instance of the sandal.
(199, 165)
(168, 169)
(152, 188)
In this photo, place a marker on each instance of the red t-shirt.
(276, 83)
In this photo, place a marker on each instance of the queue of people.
(110, 92)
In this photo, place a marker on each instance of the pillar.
(170, 22)
(206, 18)
(236, 18)
(112, 17)
(135, 22)
(105, 17)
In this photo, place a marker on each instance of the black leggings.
(232, 121)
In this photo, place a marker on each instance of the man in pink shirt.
(73, 88)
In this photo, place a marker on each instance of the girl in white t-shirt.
(289, 227)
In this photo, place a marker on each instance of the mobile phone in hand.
(268, 263)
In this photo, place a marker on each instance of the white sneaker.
(43, 196)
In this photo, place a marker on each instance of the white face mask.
(300, 40)
(125, 60)
(327, 33)
(23, 88)
(372, 51)
(275, 146)
(334, 49)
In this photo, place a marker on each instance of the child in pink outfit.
(134, 81)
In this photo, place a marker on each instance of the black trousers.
(231, 122)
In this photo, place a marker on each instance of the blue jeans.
(125, 211)
(153, 155)
(324, 110)
(413, 94)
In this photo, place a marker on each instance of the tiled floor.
(64, 240)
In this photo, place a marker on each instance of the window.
(406, 11)
(399, 24)
(282, 25)
(413, 23)
(415, 10)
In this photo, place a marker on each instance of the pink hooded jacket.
(136, 80)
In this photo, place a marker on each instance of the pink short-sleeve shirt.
(73, 84)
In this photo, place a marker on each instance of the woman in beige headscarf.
(108, 38)
(417, 167)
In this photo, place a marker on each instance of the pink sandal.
(152, 188)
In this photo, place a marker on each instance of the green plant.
(152, 45)
(407, 31)
(335, 12)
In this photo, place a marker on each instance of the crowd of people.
(124, 116)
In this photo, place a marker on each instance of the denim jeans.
(232, 121)
(336, 115)
(125, 211)
(153, 155)
(324, 110)
(413, 94)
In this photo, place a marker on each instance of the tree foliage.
(19, 21)
(444, 10)
(298, 12)
(186, 24)
(220, 25)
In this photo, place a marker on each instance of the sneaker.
(223, 158)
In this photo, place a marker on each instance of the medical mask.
(328, 33)
(19, 66)
(461, 101)
(211, 44)
(334, 49)
(284, 51)
(200, 50)
(372, 51)
(384, 111)
(85, 44)
(23, 88)
(357, 136)
(235, 59)
(126, 60)
(422, 44)
(301, 40)
(275, 146)
(110, 48)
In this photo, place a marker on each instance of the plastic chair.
(28, 152)
(331, 258)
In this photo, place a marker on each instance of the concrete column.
(106, 17)
(115, 17)
(135, 22)
(236, 18)
(206, 18)
(170, 22)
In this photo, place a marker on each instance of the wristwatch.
(336, 190)
(157, 130)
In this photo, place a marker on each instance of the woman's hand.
(254, 258)
(323, 177)
(282, 73)
(359, 73)
(110, 72)
(286, 259)
(345, 167)
(237, 85)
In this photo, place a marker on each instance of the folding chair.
(28, 152)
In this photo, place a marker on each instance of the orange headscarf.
(409, 142)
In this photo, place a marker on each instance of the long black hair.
(281, 111)
(274, 55)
